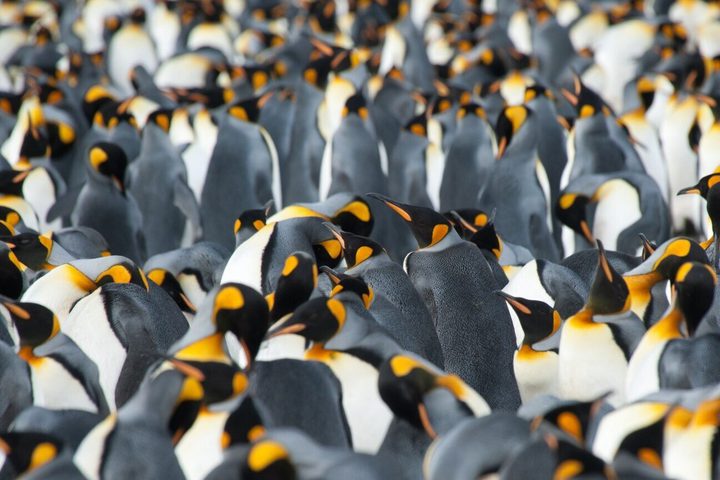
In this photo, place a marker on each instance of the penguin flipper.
(66, 352)
(184, 199)
(64, 205)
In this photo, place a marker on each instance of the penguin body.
(448, 260)
(104, 205)
(605, 330)
(242, 162)
(197, 155)
(18, 384)
(521, 201)
(158, 183)
(131, 45)
(469, 160)
(135, 329)
(397, 305)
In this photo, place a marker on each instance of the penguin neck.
(668, 327)
(27, 353)
(208, 349)
(584, 317)
(527, 353)
(640, 287)
(319, 353)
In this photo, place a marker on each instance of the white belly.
(688, 457)
(54, 388)
(618, 424)
(536, 376)
(199, 450)
(88, 327)
(591, 364)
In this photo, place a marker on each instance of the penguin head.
(587, 103)
(406, 384)
(356, 105)
(703, 186)
(645, 89)
(172, 287)
(122, 270)
(243, 311)
(220, 380)
(109, 160)
(428, 226)
(61, 137)
(28, 451)
(188, 399)
(31, 248)
(268, 459)
(12, 273)
(609, 294)
(538, 319)
(35, 323)
(257, 76)
(509, 123)
(161, 117)
(418, 125)
(668, 257)
(356, 248)
(571, 211)
(318, 320)
(248, 110)
(244, 425)
(11, 181)
(572, 418)
(537, 91)
(347, 283)
(355, 216)
(695, 290)
(34, 145)
(471, 109)
(95, 97)
(573, 460)
(251, 221)
(298, 279)
(479, 229)
(648, 247)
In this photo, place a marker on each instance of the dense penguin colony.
(359, 239)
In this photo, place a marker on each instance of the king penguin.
(536, 371)
(103, 203)
(481, 324)
(597, 342)
(130, 46)
(694, 288)
(158, 182)
(522, 199)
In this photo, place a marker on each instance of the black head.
(268, 459)
(609, 293)
(11, 181)
(347, 283)
(35, 323)
(428, 226)
(12, 276)
(28, 451)
(418, 125)
(297, 281)
(243, 425)
(109, 160)
(162, 117)
(573, 418)
(356, 248)
(509, 123)
(251, 221)
(355, 216)
(189, 399)
(249, 110)
(471, 109)
(404, 381)
(317, 320)
(61, 137)
(571, 210)
(586, 102)
(675, 252)
(244, 312)
(538, 319)
(355, 104)
(695, 289)
(31, 248)
(123, 272)
(172, 287)
(703, 186)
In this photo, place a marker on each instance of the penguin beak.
(336, 233)
(118, 183)
(425, 420)
(586, 232)
(514, 302)
(603, 261)
(393, 206)
(289, 329)
(502, 146)
(188, 303)
(690, 190)
(187, 369)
